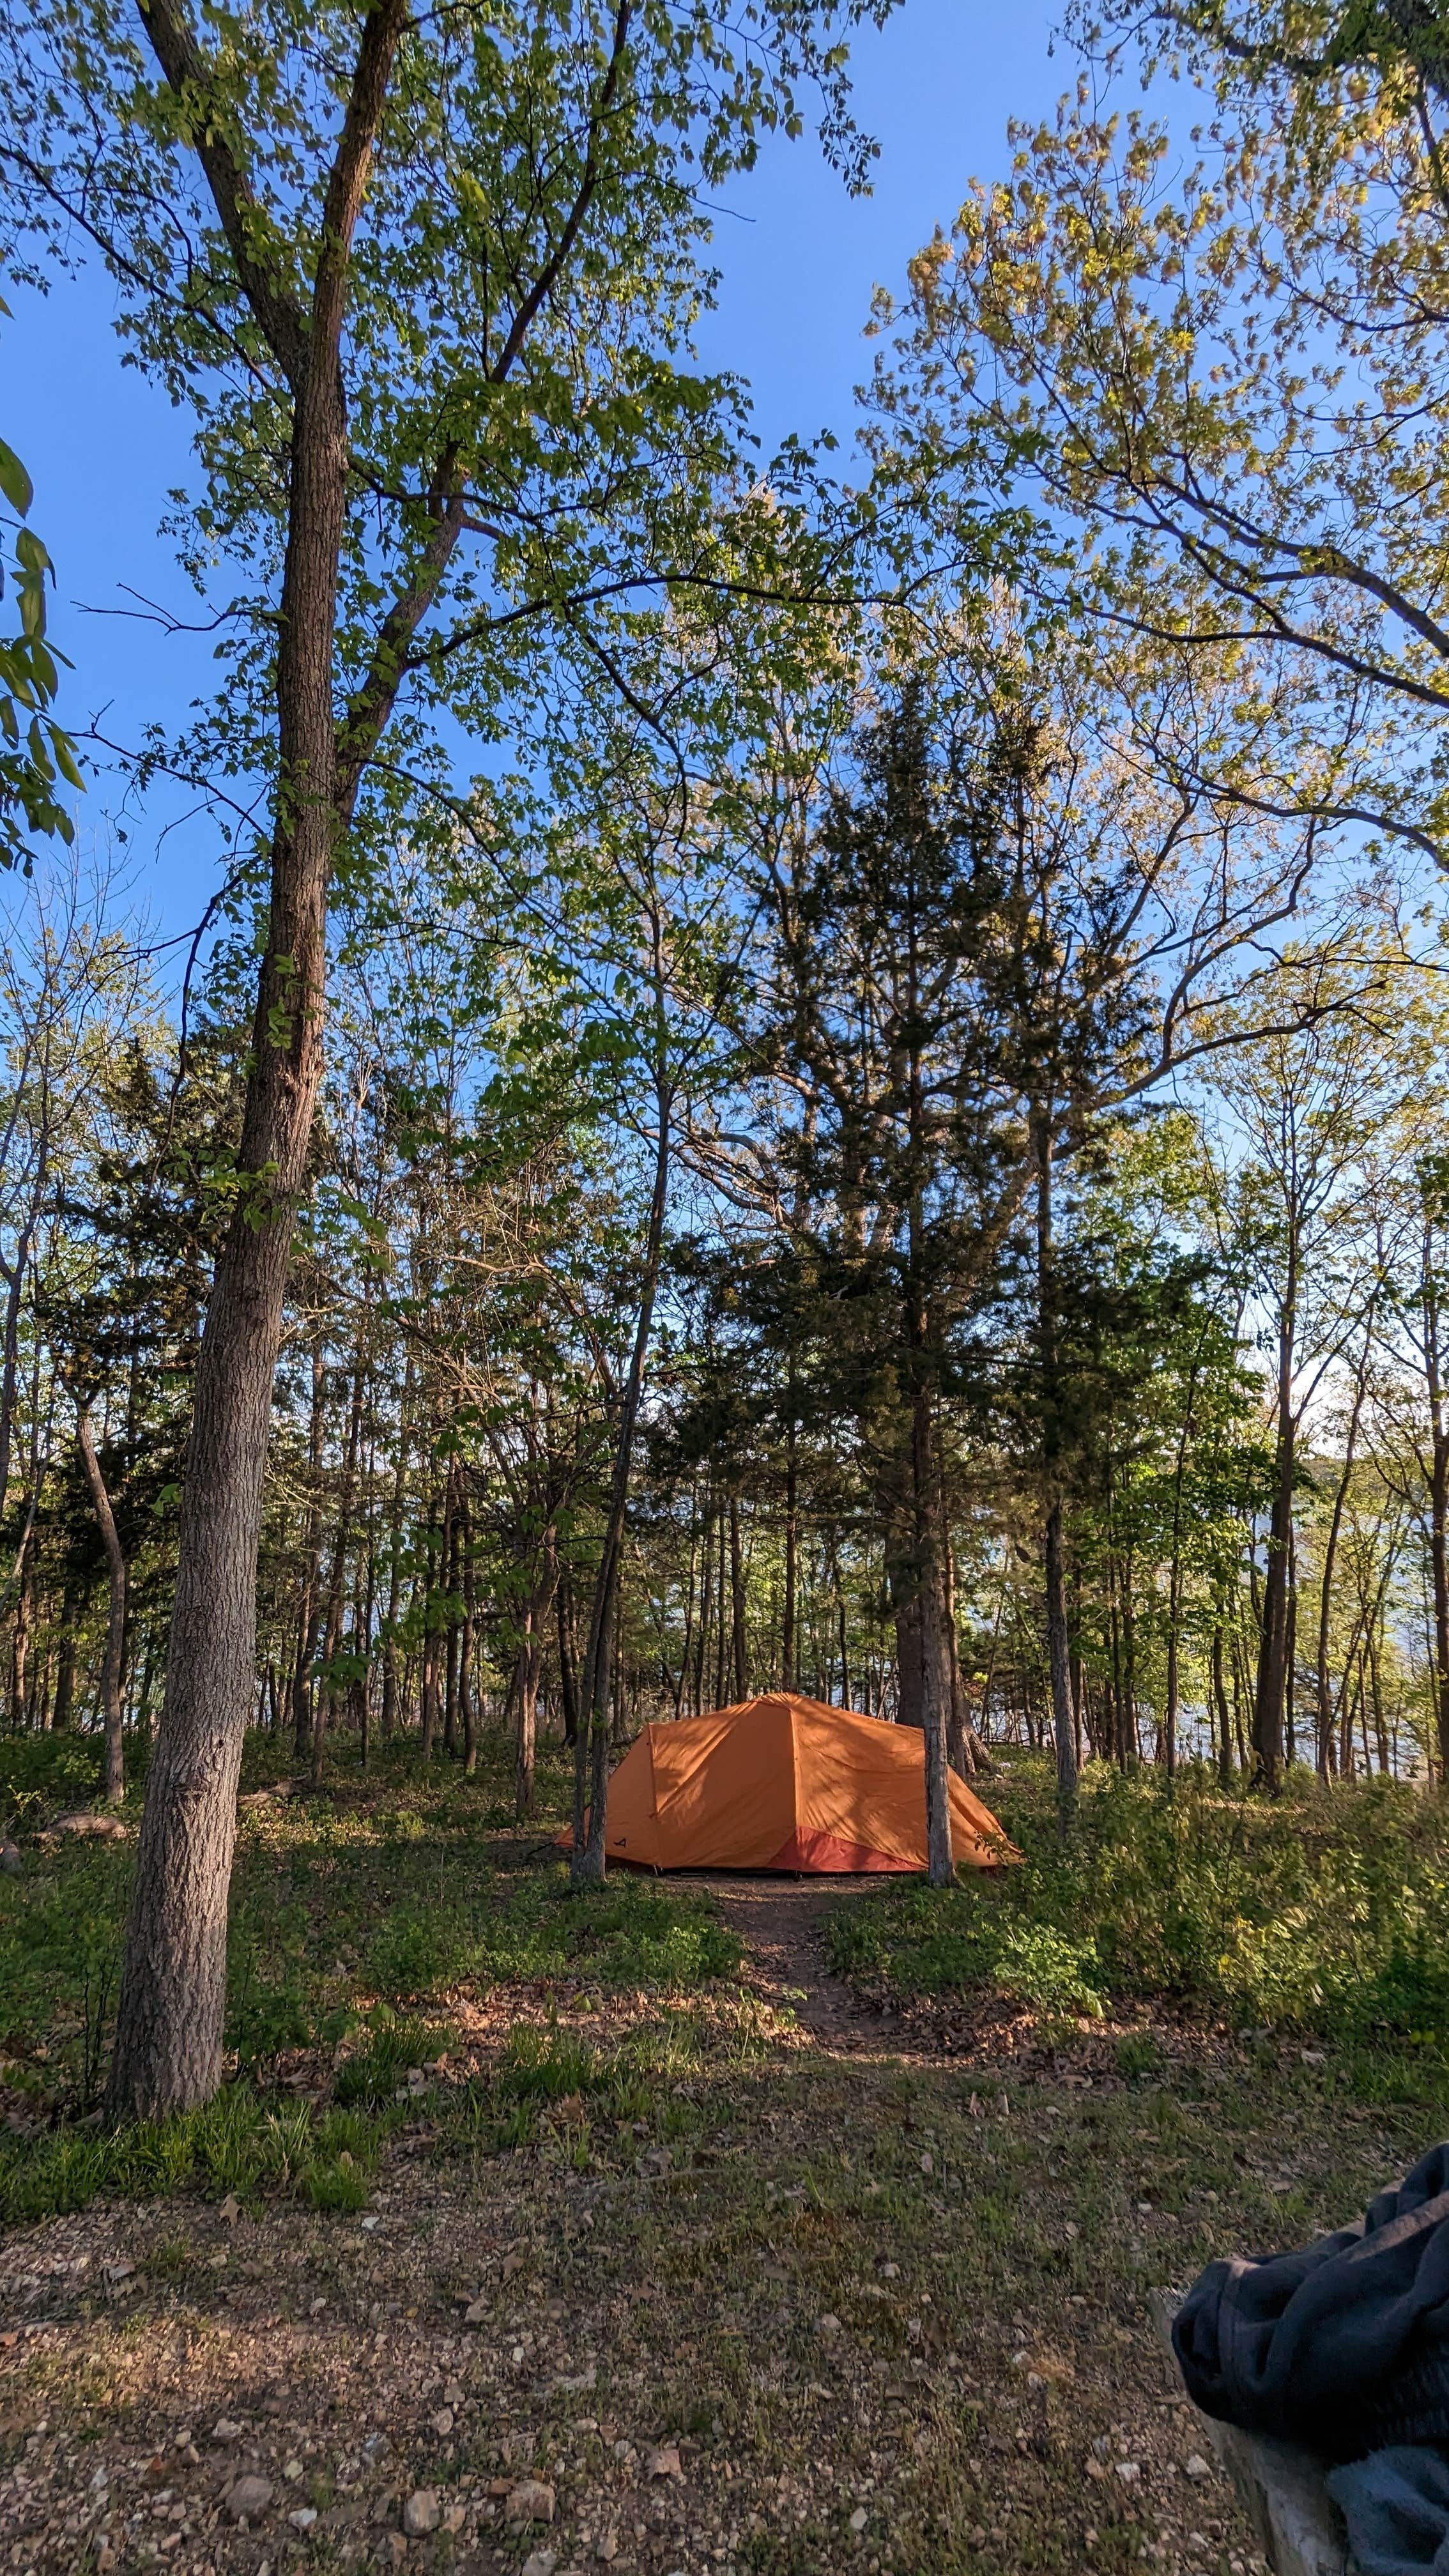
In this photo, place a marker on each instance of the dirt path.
(781, 1922)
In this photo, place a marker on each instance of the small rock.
(859, 2518)
(422, 2512)
(224, 2430)
(455, 2517)
(1129, 2471)
(292, 2471)
(303, 2518)
(529, 2501)
(247, 2497)
(1197, 2466)
(540, 2562)
(827, 2326)
(607, 2546)
(443, 2422)
(663, 2462)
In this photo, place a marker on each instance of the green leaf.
(15, 483)
(65, 758)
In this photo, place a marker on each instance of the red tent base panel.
(787, 1783)
(827, 1852)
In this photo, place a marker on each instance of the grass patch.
(239, 2143)
(1326, 1913)
(372, 1901)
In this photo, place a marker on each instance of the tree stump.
(1280, 2487)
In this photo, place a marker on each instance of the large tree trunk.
(115, 1612)
(173, 1982)
(910, 1670)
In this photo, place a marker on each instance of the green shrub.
(1324, 1909)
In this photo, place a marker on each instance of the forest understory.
(713, 2224)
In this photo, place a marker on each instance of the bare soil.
(881, 2311)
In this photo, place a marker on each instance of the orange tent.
(786, 1783)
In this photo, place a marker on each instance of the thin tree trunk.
(1324, 1729)
(591, 1768)
(115, 1611)
(332, 1635)
(567, 1684)
(1220, 1696)
(788, 1648)
(530, 1667)
(466, 1691)
(309, 1608)
(737, 1601)
(1064, 1727)
(1269, 1697)
(65, 1671)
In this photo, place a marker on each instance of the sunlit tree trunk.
(111, 1709)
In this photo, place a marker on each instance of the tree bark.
(737, 1599)
(789, 1652)
(332, 1633)
(591, 1766)
(115, 1611)
(173, 1983)
(309, 1607)
(1064, 1727)
(1225, 1723)
(1271, 1691)
(530, 1667)
(1324, 1690)
(567, 1679)
(1438, 1490)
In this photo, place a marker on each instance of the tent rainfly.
(782, 1782)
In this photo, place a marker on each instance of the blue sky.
(799, 259)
